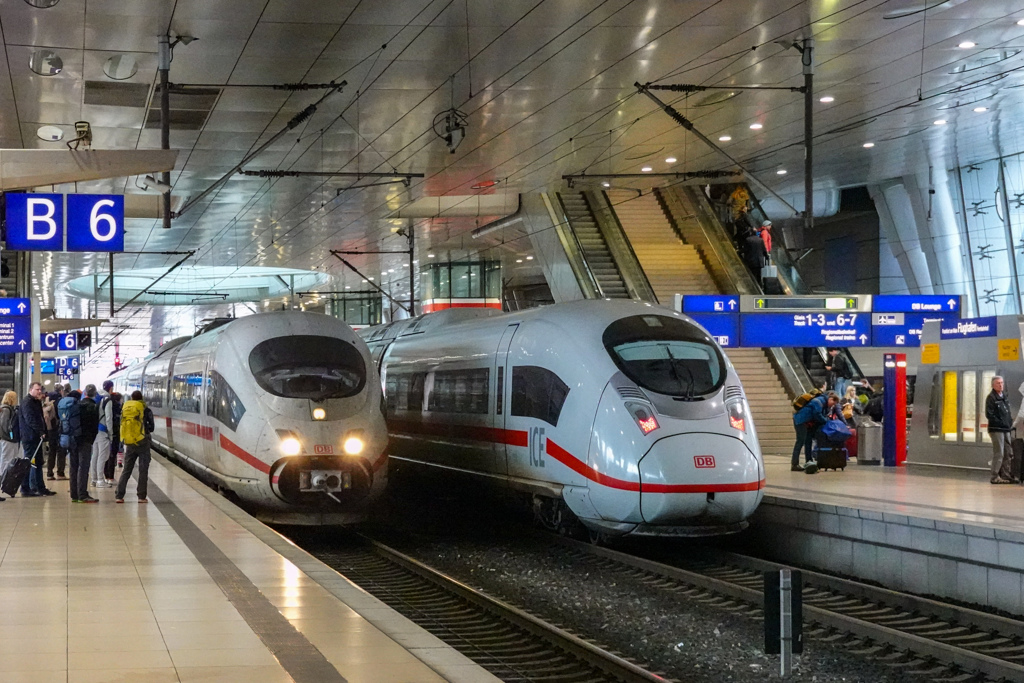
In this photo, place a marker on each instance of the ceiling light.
(967, 45)
(670, 160)
(606, 184)
(781, 171)
(1020, 22)
(430, 256)
(756, 126)
(940, 122)
(646, 169)
(519, 260)
(980, 109)
(869, 145)
(724, 138)
(826, 99)
(529, 258)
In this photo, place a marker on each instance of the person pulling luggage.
(33, 431)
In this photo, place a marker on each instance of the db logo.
(703, 461)
(321, 449)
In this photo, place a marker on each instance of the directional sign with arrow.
(15, 334)
(916, 303)
(708, 303)
(805, 329)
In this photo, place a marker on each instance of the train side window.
(404, 391)
(537, 392)
(223, 403)
(154, 383)
(187, 392)
(459, 391)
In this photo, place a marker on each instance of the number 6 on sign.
(95, 222)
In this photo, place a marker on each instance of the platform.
(939, 531)
(189, 588)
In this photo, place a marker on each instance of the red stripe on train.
(243, 455)
(514, 437)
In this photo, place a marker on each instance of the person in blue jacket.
(807, 421)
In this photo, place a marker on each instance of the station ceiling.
(547, 87)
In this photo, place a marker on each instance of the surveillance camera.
(151, 183)
(83, 135)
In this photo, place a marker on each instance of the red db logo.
(321, 449)
(703, 461)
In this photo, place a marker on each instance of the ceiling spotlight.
(529, 258)
(519, 260)
(430, 256)
(826, 99)
(939, 122)
(606, 184)
(646, 169)
(869, 145)
(781, 171)
(756, 126)
(724, 138)
(670, 160)
(1020, 22)
(980, 109)
(967, 45)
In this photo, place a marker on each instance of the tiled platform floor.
(946, 494)
(111, 593)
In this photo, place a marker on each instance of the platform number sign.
(59, 341)
(537, 442)
(41, 222)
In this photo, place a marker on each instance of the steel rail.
(935, 613)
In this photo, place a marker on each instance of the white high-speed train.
(284, 410)
(627, 415)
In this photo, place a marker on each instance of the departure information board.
(805, 329)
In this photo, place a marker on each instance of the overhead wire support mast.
(691, 87)
(338, 255)
(688, 125)
(296, 120)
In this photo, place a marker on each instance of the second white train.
(627, 415)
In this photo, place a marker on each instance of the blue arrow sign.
(916, 303)
(16, 335)
(706, 303)
(15, 307)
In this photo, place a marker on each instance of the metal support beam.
(275, 173)
(337, 255)
(689, 87)
(807, 59)
(688, 125)
(412, 269)
(164, 69)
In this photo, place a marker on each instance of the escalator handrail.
(619, 246)
(585, 277)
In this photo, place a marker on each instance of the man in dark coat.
(33, 431)
(754, 253)
(1000, 421)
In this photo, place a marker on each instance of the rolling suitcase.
(831, 458)
(14, 475)
(1018, 455)
(852, 443)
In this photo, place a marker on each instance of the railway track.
(932, 640)
(512, 644)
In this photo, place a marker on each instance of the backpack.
(132, 429)
(89, 417)
(803, 399)
(8, 424)
(69, 413)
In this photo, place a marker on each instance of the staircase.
(595, 249)
(673, 267)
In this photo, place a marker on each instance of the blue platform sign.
(710, 303)
(15, 335)
(968, 328)
(916, 303)
(725, 329)
(35, 222)
(95, 222)
(903, 329)
(805, 329)
(15, 307)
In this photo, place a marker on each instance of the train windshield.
(666, 355)
(308, 366)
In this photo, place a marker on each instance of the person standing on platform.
(55, 455)
(114, 430)
(10, 431)
(1000, 421)
(33, 431)
(101, 447)
(839, 370)
(136, 426)
(81, 456)
(807, 420)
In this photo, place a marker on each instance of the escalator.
(594, 246)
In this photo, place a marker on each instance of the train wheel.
(554, 515)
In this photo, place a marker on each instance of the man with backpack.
(807, 419)
(77, 430)
(136, 425)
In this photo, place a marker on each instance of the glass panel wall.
(968, 414)
(949, 403)
(363, 308)
(986, 386)
(462, 280)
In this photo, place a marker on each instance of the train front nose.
(699, 479)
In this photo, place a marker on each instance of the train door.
(502, 394)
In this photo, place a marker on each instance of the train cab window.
(666, 355)
(458, 391)
(537, 392)
(222, 402)
(187, 392)
(308, 366)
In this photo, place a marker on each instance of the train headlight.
(644, 417)
(319, 413)
(291, 446)
(353, 445)
(737, 415)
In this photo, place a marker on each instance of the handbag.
(835, 432)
